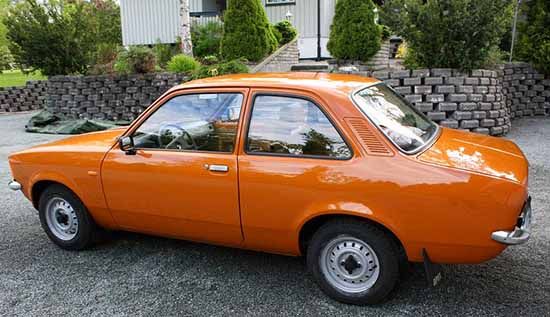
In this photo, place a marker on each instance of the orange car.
(338, 168)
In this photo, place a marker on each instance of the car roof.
(318, 82)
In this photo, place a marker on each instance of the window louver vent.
(370, 141)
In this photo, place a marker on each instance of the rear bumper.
(521, 233)
(15, 186)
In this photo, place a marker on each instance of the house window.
(279, 2)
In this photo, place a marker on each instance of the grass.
(11, 78)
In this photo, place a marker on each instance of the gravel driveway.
(140, 275)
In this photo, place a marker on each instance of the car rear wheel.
(353, 262)
(65, 219)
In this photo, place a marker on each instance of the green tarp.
(46, 122)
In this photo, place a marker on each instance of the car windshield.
(398, 119)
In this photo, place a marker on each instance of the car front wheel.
(353, 262)
(65, 219)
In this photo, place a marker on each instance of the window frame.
(163, 100)
(420, 149)
(296, 96)
(268, 3)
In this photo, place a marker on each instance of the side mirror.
(126, 144)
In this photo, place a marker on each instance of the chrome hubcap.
(61, 219)
(349, 264)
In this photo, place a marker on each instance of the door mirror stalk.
(126, 144)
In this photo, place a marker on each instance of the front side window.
(196, 122)
(409, 129)
(294, 127)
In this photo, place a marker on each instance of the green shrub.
(454, 34)
(6, 59)
(494, 58)
(353, 33)
(210, 60)
(135, 60)
(534, 35)
(60, 37)
(386, 32)
(277, 34)
(182, 64)
(231, 67)
(164, 53)
(104, 59)
(247, 32)
(287, 31)
(206, 38)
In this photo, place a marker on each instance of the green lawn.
(17, 78)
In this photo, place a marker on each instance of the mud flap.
(433, 270)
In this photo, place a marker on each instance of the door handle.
(217, 168)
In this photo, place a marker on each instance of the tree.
(185, 29)
(5, 55)
(534, 37)
(247, 32)
(61, 37)
(354, 33)
(442, 33)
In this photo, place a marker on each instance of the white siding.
(149, 21)
(304, 18)
(146, 22)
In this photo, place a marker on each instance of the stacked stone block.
(470, 101)
(280, 61)
(107, 97)
(24, 98)
(527, 91)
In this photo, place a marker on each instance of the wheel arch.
(310, 226)
(40, 184)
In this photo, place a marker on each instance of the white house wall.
(146, 22)
(149, 21)
(304, 18)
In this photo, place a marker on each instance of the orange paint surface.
(447, 199)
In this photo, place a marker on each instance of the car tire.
(65, 219)
(334, 258)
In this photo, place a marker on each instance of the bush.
(210, 60)
(386, 32)
(182, 64)
(60, 37)
(206, 39)
(164, 53)
(231, 67)
(135, 60)
(534, 35)
(287, 32)
(104, 59)
(247, 32)
(354, 34)
(454, 34)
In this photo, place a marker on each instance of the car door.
(181, 180)
(294, 162)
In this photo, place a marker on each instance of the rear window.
(405, 126)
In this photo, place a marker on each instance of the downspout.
(318, 30)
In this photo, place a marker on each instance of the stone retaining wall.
(527, 91)
(471, 101)
(107, 97)
(281, 60)
(23, 98)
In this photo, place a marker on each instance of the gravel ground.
(140, 275)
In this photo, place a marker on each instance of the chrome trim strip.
(15, 186)
(520, 234)
(426, 145)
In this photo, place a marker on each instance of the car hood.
(90, 142)
(478, 153)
